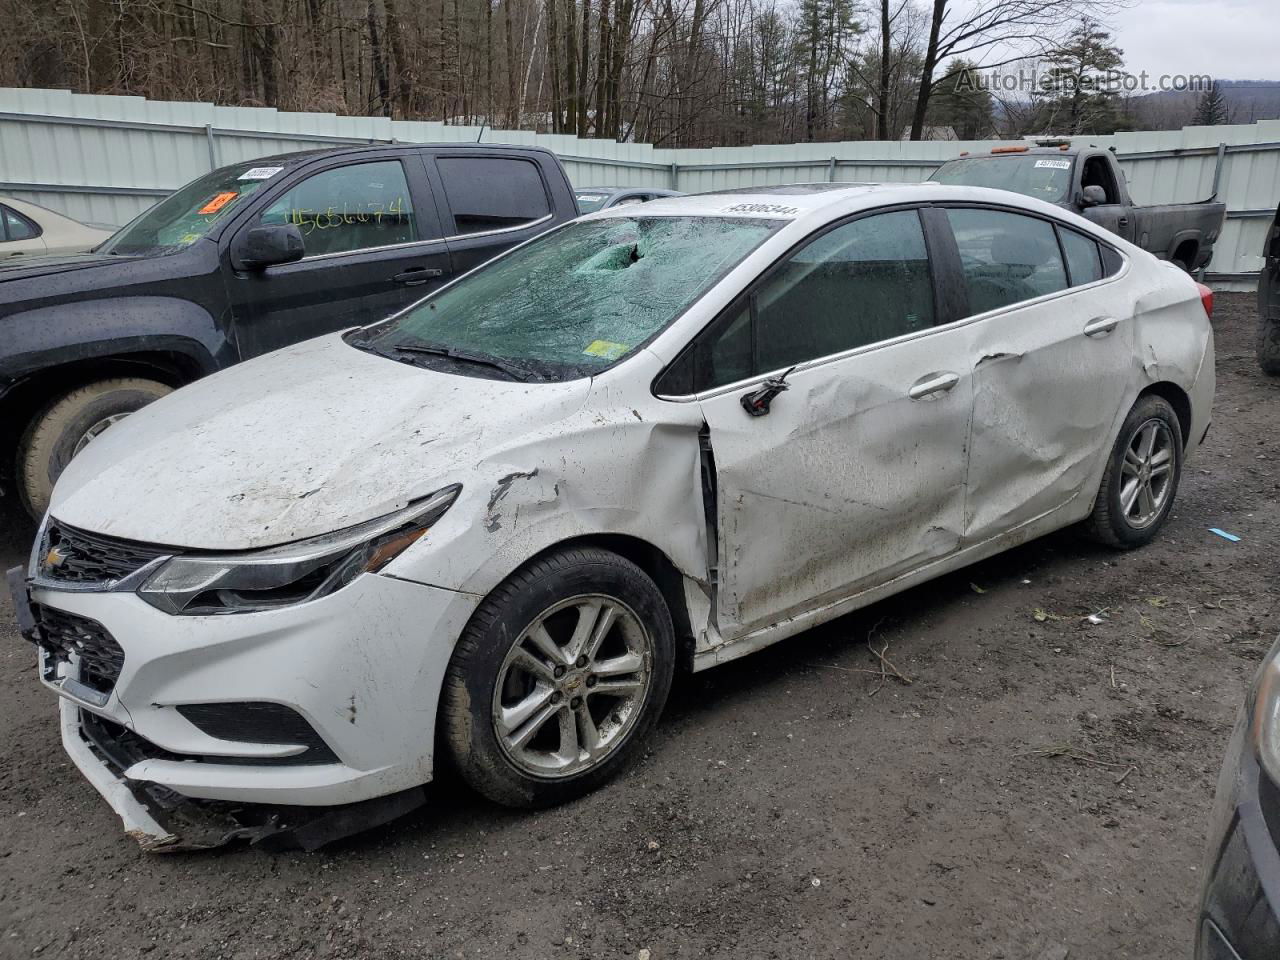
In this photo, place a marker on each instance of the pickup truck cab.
(1089, 181)
(246, 259)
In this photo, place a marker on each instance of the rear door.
(1052, 360)
(490, 203)
(855, 473)
(373, 245)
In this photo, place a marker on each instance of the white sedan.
(28, 229)
(656, 438)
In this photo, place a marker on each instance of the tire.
(1110, 523)
(52, 436)
(1269, 345)
(488, 681)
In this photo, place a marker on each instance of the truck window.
(1084, 262)
(492, 193)
(1033, 175)
(356, 207)
(1007, 258)
(1097, 173)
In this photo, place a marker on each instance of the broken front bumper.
(239, 726)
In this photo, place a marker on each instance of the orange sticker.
(218, 201)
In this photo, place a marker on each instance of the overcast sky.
(1227, 39)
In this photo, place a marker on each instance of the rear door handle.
(932, 384)
(1100, 326)
(417, 275)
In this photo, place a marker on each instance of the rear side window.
(356, 207)
(1084, 261)
(18, 227)
(492, 193)
(1007, 257)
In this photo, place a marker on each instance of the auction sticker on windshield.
(260, 173)
(1054, 164)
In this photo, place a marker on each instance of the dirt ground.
(1038, 791)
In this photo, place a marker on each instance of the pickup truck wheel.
(64, 427)
(1269, 345)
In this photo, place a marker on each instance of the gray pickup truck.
(1089, 181)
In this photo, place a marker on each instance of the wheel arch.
(1178, 399)
(653, 561)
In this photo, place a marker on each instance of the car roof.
(816, 202)
(296, 157)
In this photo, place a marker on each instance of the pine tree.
(1212, 108)
(1075, 95)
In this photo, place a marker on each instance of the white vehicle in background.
(32, 230)
(652, 439)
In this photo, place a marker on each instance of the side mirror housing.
(267, 246)
(1093, 196)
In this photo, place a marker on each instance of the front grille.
(64, 634)
(77, 556)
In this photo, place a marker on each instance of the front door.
(856, 472)
(1050, 375)
(373, 245)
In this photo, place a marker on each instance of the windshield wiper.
(514, 371)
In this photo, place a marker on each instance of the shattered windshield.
(182, 218)
(573, 301)
(1045, 178)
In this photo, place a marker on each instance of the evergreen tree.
(1075, 96)
(961, 102)
(1212, 108)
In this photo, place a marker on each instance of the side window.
(349, 208)
(492, 193)
(863, 282)
(1084, 262)
(1097, 173)
(18, 227)
(1111, 260)
(1006, 257)
(860, 283)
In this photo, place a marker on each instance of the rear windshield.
(182, 218)
(575, 300)
(1045, 178)
(590, 202)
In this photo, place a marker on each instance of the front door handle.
(1122, 222)
(417, 275)
(1100, 326)
(932, 384)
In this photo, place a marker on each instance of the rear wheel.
(69, 424)
(1141, 478)
(558, 678)
(1269, 345)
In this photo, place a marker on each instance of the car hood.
(303, 441)
(31, 268)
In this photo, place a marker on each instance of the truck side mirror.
(267, 246)
(1093, 196)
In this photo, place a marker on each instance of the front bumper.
(363, 667)
(1238, 910)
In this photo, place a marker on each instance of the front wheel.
(558, 678)
(68, 424)
(1141, 478)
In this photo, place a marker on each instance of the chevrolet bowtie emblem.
(55, 558)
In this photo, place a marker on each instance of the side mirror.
(267, 246)
(1093, 196)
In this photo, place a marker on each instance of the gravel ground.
(1039, 790)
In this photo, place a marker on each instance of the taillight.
(1206, 300)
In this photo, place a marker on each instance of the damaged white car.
(496, 524)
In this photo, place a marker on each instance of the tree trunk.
(926, 70)
(381, 80)
(513, 70)
(882, 95)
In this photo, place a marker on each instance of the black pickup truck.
(246, 259)
(1089, 181)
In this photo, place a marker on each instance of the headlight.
(1265, 719)
(293, 572)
